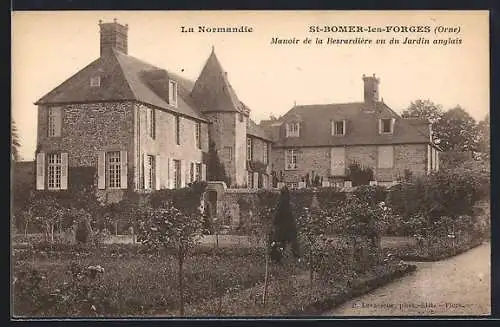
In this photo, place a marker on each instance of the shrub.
(359, 175)
(83, 233)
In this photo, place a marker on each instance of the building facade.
(320, 142)
(141, 127)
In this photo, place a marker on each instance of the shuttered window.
(54, 168)
(54, 122)
(113, 169)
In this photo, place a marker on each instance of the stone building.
(141, 127)
(324, 139)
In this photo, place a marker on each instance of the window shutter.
(380, 126)
(64, 171)
(145, 169)
(58, 120)
(393, 122)
(183, 173)
(40, 171)
(171, 173)
(344, 122)
(101, 170)
(123, 169)
(157, 173)
(255, 180)
(203, 172)
(192, 172)
(337, 161)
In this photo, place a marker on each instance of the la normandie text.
(217, 29)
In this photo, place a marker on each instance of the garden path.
(456, 286)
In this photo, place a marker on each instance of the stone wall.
(406, 156)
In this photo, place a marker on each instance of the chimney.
(371, 93)
(113, 36)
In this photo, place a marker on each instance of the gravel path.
(456, 286)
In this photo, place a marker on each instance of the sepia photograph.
(195, 164)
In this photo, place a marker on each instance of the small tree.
(168, 228)
(359, 175)
(284, 231)
(47, 211)
(312, 225)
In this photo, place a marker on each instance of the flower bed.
(132, 284)
(297, 296)
(435, 250)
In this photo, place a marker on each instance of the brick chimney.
(113, 36)
(371, 94)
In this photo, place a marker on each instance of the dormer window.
(292, 130)
(172, 93)
(95, 81)
(386, 126)
(338, 127)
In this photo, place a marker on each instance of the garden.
(321, 247)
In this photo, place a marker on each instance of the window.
(197, 175)
(338, 127)
(386, 156)
(177, 173)
(113, 169)
(386, 126)
(54, 166)
(198, 135)
(229, 152)
(292, 130)
(249, 149)
(172, 93)
(54, 122)
(265, 153)
(177, 130)
(151, 122)
(241, 117)
(95, 81)
(291, 159)
(150, 172)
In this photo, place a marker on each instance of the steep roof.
(123, 78)
(361, 126)
(212, 90)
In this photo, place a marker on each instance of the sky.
(49, 47)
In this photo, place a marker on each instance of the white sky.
(49, 47)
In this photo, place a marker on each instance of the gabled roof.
(361, 126)
(124, 78)
(212, 90)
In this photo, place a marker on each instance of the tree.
(423, 109)
(169, 228)
(284, 231)
(14, 144)
(48, 211)
(215, 168)
(457, 131)
(483, 130)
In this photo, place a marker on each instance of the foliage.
(284, 230)
(457, 131)
(483, 144)
(423, 109)
(83, 233)
(165, 227)
(371, 194)
(359, 175)
(15, 144)
(215, 168)
(452, 159)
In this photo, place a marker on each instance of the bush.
(84, 232)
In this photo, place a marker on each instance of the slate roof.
(212, 90)
(125, 78)
(361, 126)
